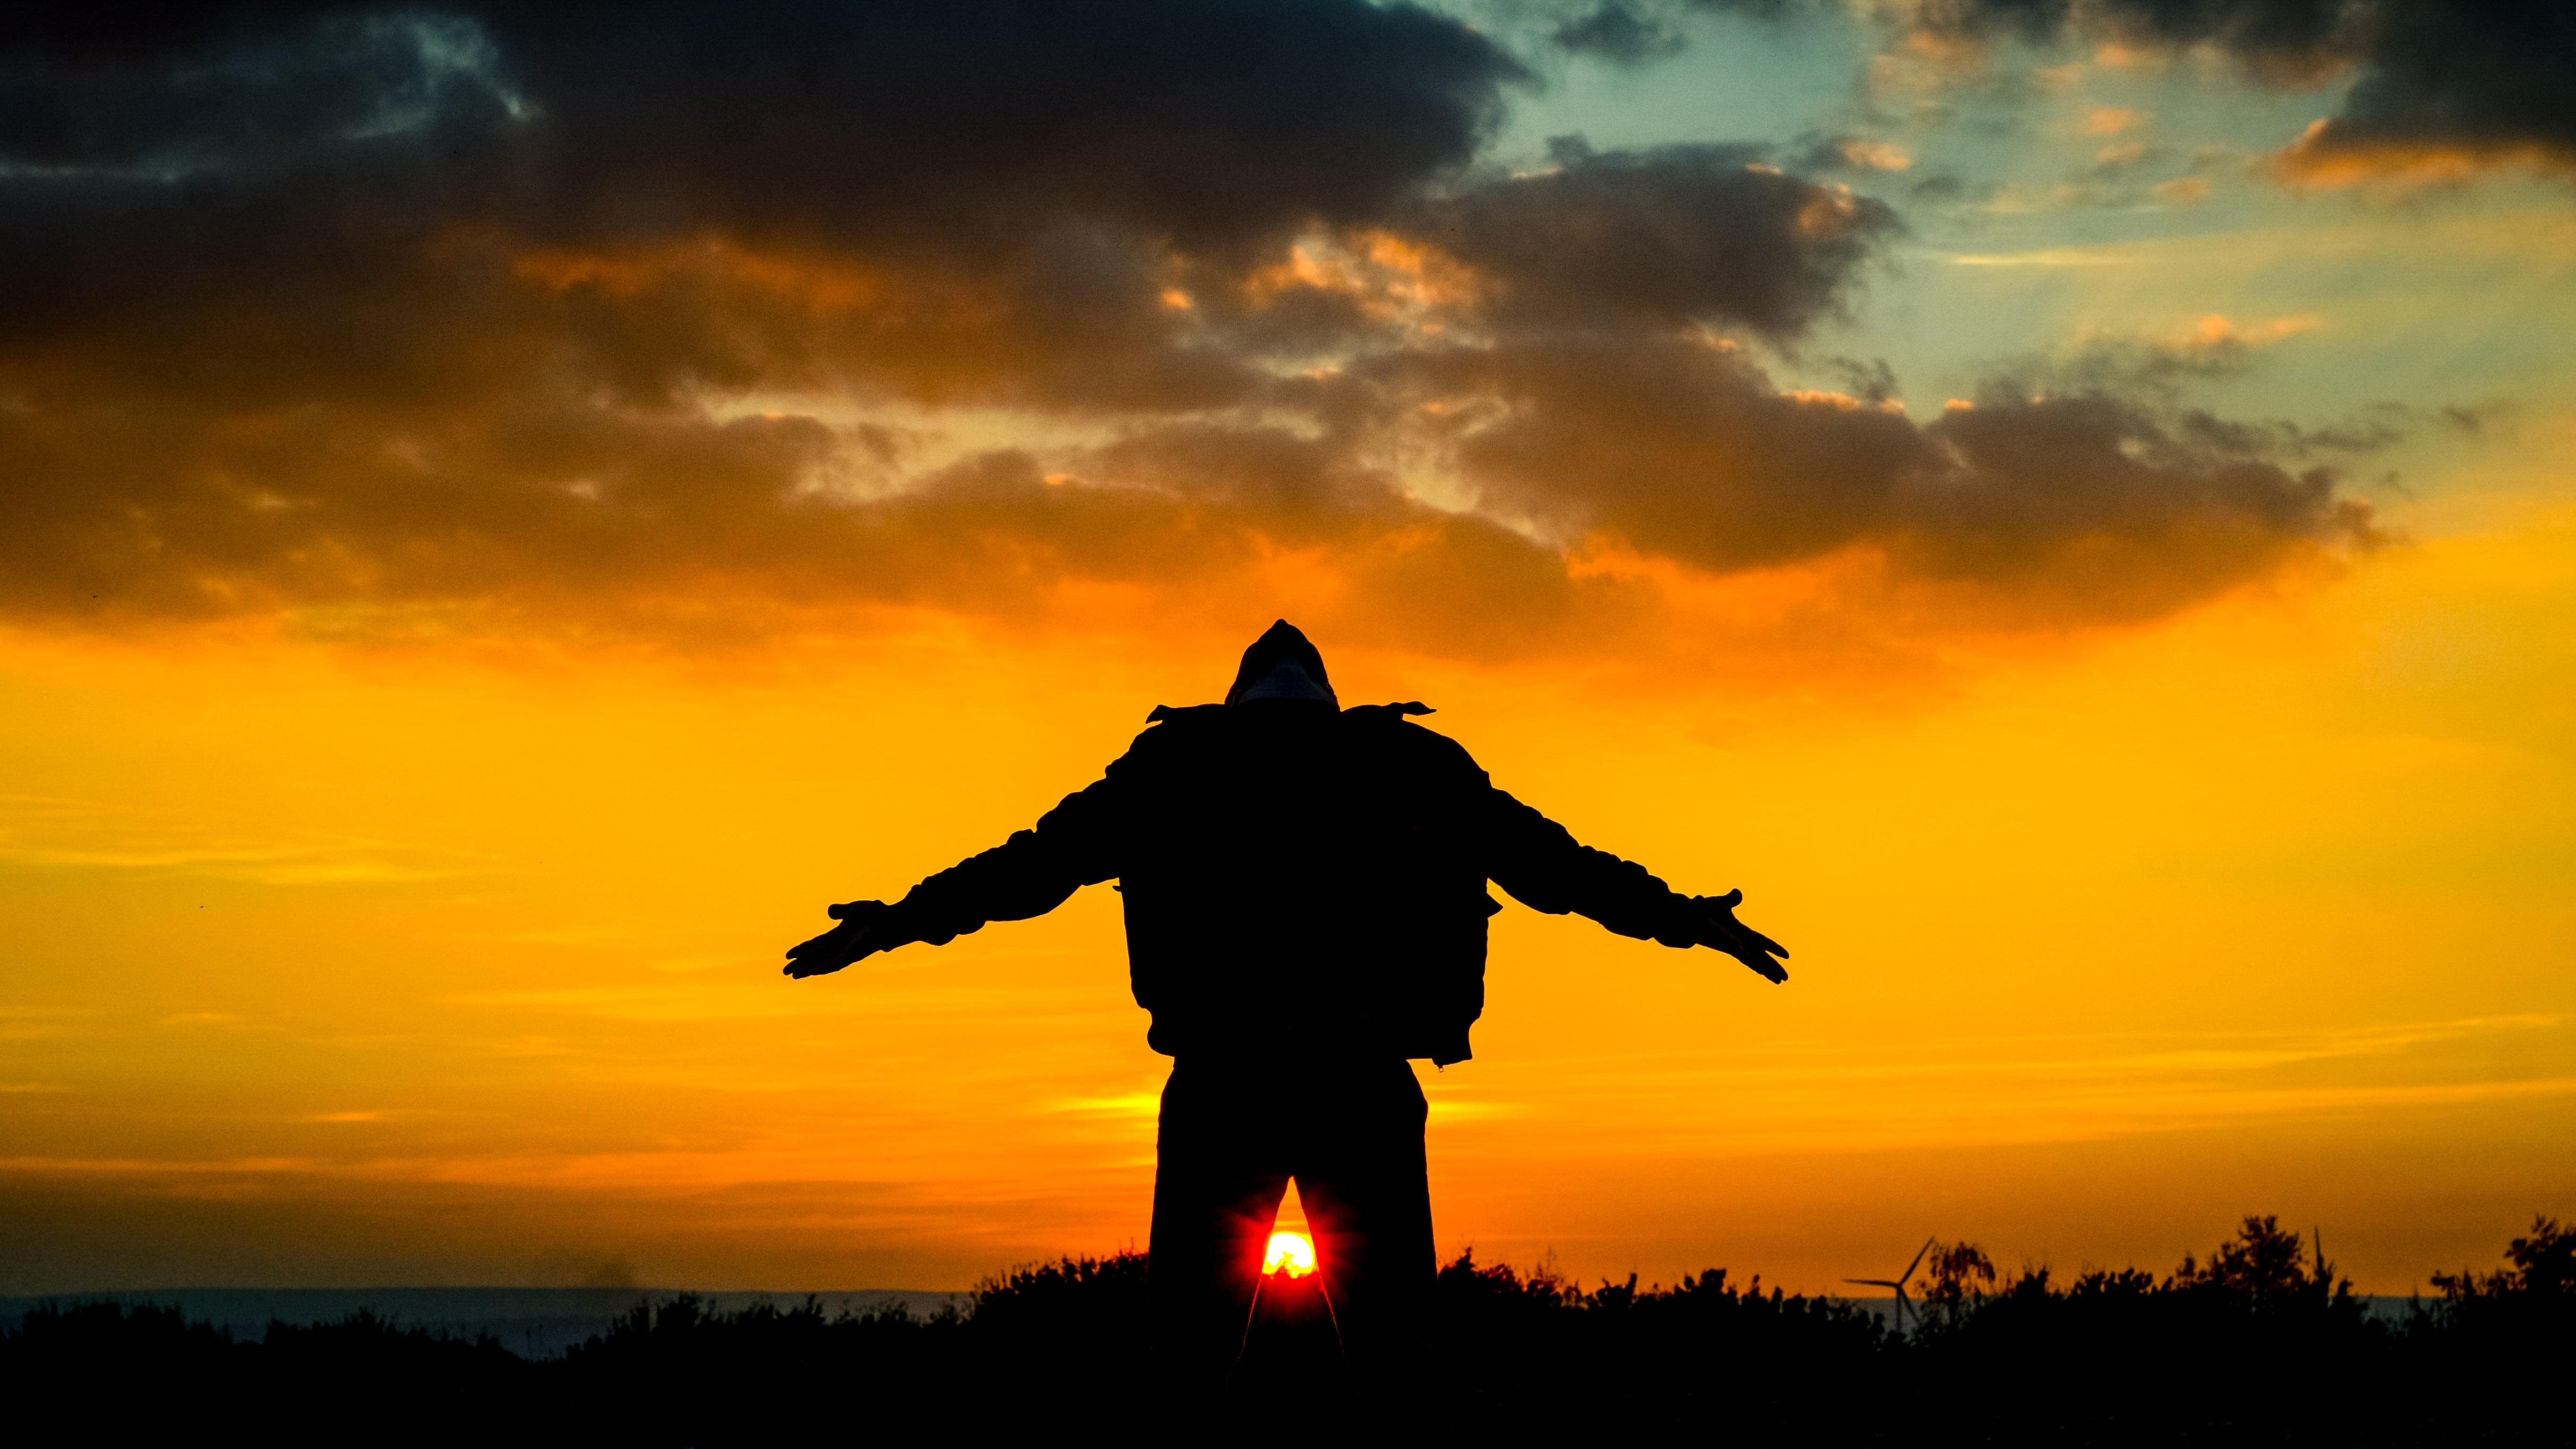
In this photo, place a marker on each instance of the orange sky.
(2118, 632)
(337, 968)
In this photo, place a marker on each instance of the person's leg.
(1362, 1176)
(1217, 1186)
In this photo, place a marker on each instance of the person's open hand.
(1721, 930)
(860, 935)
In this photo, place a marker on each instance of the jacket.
(1295, 872)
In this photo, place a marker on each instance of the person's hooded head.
(1282, 664)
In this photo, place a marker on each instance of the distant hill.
(530, 1322)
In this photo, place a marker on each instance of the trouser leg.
(1216, 1196)
(1362, 1177)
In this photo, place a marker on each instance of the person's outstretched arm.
(1545, 868)
(1074, 845)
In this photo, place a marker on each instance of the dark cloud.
(2095, 506)
(700, 323)
(1871, 381)
(2483, 83)
(1669, 236)
(847, 121)
(1026, 162)
(1619, 31)
(1635, 32)
(2440, 87)
(1679, 448)
(1684, 450)
(1204, 123)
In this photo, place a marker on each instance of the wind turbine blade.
(1918, 1259)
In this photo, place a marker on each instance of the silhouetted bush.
(1512, 1351)
(2260, 1344)
(2255, 1346)
(2507, 1339)
(105, 1368)
(116, 1371)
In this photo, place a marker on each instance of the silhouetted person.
(1306, 907)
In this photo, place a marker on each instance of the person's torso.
(1288, 867)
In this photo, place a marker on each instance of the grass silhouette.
(2261, 1343)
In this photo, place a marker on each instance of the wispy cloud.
(50, 833)
(2045, 257)
(36, 1023)
(1993, 1091)
(1138, 1105)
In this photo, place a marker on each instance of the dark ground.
(2261, 1344)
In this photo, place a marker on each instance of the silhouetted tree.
(1957, 1276)
(2544, 1268)
(2265, 1269)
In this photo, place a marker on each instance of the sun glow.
(1290, 1253)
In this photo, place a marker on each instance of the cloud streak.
(41, 833)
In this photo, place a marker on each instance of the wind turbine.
(1898, 1283)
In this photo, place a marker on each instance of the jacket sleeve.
(1078, 843)
(1545, 868)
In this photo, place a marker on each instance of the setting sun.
(1290, 1253)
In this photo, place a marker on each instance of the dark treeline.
(2261, 1343)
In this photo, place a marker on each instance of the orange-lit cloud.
(578, 374)
(2333, 154)
(1876, 155)
(2218, 330)
(2111, 120)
